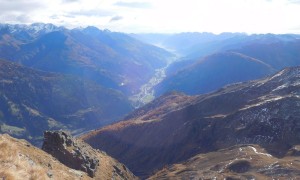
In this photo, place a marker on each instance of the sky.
(159, 16)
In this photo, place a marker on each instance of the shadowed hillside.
(213, 72)
(33, 101)
(213, 67)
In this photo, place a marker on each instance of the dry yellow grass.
(21, 160)
(15, 165)
(7, 175)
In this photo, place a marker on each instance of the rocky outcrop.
(71, 153)
(21, 160)
(78, 155)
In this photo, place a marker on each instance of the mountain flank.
(237, 162)
(33, 101)
(210, 66)
(264, 112)
(213, 72)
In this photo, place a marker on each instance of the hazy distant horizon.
(149, 33)
(157, 16)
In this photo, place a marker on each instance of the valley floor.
(146, 93)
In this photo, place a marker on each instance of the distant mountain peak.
(45, 27)
(91, 28)
(33, 29)
(94, 30)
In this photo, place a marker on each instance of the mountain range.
(226, 106)
(193, 45)
(114, 60)
(176, 127)
(229, 63)
(72, 79)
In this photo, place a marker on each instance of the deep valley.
(90, 103)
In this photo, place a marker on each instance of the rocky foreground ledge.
(71, 153)
(80, 156)
(70, 159)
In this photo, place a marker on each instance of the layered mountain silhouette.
(114, 60)
(33, 101)
(193, 45)
(211, 119)
(213, 71)
(176, 127)
(186, 43)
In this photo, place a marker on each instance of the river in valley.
(146, 93)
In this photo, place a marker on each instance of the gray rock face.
(74, 154)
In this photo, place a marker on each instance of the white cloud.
(18, 11)
(133, 4)
(294, 1)
(251, 16)
(70, 1)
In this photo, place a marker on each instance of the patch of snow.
(256, 152)
(35, 28)
(297, 83)
(277, 75)
(263, 102)
(280, 87)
